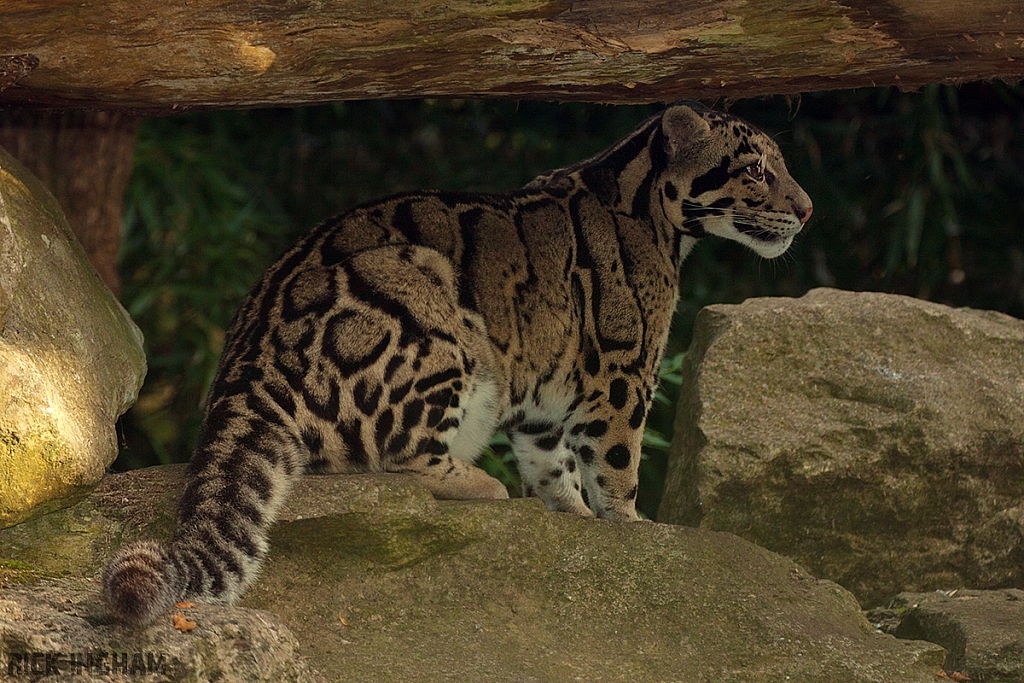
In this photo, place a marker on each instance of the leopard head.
(724, 177)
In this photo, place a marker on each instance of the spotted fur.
(400, 336)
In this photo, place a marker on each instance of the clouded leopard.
(400, 336)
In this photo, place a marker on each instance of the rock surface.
(71, 360)
(380, 582)
(56, 632)
(982, 631)
(876, 439)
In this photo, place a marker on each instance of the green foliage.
(194, 238)
(915, 193)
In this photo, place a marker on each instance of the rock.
(55, 631)
(876, 439)
(71, 360)
(380, 582)
(78, 541)
(982, 631)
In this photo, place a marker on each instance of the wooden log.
(155, 56)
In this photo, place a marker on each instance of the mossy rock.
(380, 582)
(71, 359)
(876, 439)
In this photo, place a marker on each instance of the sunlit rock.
(71, 360)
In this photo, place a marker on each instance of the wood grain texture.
(85, 160)
(158, 56)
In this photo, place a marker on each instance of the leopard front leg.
(606, 438)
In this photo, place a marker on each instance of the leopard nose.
(803, 213)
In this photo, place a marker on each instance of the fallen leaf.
(182, 623)
(344, 621)
(185, 605)
(958, 677)
(939, 676)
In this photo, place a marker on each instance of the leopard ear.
(685, 129)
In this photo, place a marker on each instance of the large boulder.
(71, 360)
(982, 631)
(380, 582)
(876, 439)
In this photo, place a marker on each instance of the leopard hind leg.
(444, 387)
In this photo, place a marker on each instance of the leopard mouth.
(760, 234)
(772, 231)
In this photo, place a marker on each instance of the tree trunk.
(157, 56)
(85, 159)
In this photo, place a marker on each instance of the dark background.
(914, 193)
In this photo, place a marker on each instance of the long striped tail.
(213, 559)
(141, 582)
(236, 487)
(218, 549)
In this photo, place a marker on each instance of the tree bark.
(156, 56)
(85, 159)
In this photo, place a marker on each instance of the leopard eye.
(756, 171)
